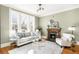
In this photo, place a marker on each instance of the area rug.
(45, 47)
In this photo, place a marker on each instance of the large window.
(21, 22)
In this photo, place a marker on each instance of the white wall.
(4, 24)
(0, 26)
(36, 22)
(66, 19)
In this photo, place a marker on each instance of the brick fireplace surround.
(54, 33)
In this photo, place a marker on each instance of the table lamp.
(72, 28)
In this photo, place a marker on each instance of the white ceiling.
(48, 8)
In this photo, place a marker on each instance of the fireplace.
(52, 36)
(54, 33)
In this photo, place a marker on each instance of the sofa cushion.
(22, 34)
(19, 34)
(27, 34)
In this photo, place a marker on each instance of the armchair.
(65, 40)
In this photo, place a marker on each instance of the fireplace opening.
(52, 36)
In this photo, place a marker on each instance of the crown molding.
(52, 13)
(43, 15)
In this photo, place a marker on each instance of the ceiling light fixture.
(40, 8)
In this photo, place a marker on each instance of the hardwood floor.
(74, 50)
(6, 49)
(65, 50)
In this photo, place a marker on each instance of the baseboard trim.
(5, 44)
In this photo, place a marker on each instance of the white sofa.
(27, 38)
(65, 40)
(22, 41)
